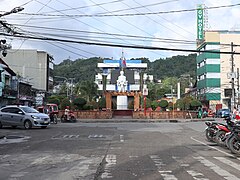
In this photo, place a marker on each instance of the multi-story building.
(214, 70)
(34, 67)
(8, 84)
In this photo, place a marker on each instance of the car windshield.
(226, 110)
(29, 110)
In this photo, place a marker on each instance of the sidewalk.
(120, 120)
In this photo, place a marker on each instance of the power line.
(82, 7)
(131, 14)
(79, 20)
(120, 45)
(165, 20)
(141, 6)
(104, 33)
(115, 34)
(129, 24)
(157, 23)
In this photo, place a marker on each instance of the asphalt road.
(125, 151)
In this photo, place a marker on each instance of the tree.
(79, 102)
(65, 102)
(53, 100)
(87, 90)
(185, 103)
(195, 104)
(163, 104)
(154, 105)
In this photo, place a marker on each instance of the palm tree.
(87, 90)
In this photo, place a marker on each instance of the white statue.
(122, 82)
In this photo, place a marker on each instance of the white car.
(23, 116)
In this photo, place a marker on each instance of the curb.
(141, 120)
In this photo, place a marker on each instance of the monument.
(122, 101)
(122, 82)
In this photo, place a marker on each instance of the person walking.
(200, 113)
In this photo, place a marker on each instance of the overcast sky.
(63, 19)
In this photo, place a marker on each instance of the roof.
(7, 68)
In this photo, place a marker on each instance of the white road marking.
(228, 162)
(166, 174)
(111, 161)
(115, 147)
(212, 147)
(121, 138)
(197, 175)
(65, 136)
(18, 175)
(133, 156)
(225, 174)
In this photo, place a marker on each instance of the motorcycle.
(223, 131)
(68, 118)
(234, 140)
(211, 130)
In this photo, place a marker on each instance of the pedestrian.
(234, 113)
(200, 113)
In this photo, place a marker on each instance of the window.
(14, 110)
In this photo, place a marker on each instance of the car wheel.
(27, 124)
(43, 127)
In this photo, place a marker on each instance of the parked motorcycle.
(224, 131)
(211, 130)
(234, 140)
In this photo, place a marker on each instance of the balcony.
(9, 92)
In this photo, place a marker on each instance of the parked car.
(23, 116)
(223, 113)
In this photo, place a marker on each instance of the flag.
(124, 64)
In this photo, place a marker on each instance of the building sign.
(199, 22)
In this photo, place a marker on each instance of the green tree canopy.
(79, 102)
(163, 104)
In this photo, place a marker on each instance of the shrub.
(79, 102)
(102, 103)
(154, 105)
(163, 104)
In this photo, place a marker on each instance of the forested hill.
(86, 69)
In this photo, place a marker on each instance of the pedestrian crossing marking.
(228, 162)
(166, 174)
(225, 174)
(197, 175)
(111, 161)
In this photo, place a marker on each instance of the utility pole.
(232, 81)
(238, 87)
(3, 45)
